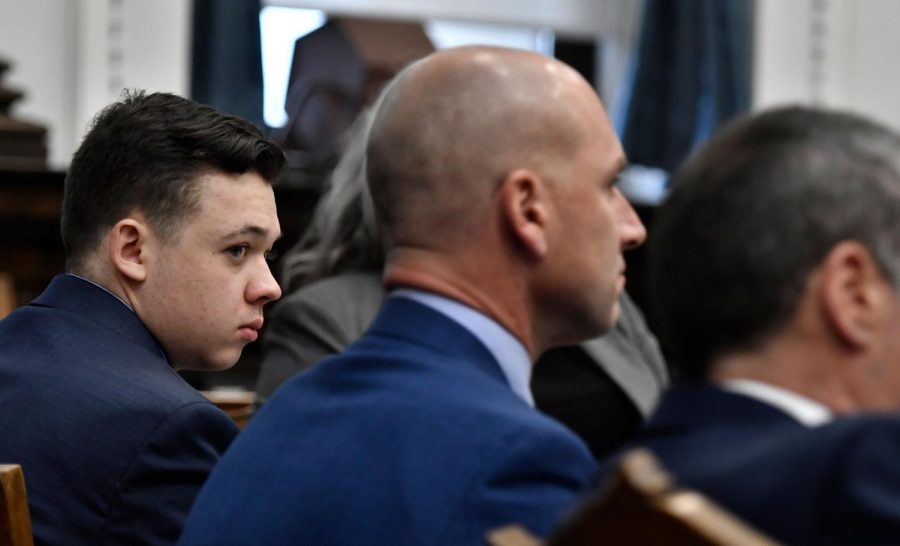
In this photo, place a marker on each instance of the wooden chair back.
(643, 508)
(7, 294)
(237, 404)
(15, 523)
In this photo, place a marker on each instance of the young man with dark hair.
(776, 263)
(167, 218)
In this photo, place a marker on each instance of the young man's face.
(204, 293)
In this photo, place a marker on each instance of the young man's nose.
(263, 287)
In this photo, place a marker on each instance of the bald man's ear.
(523, 202)
(127, 248)
(853, 294)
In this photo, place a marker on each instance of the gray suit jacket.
(630, 354)
(324, 317)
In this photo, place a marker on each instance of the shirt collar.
(509, 353)
(805, 410)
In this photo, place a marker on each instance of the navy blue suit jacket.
(113, 443)
(410, 437)
(838, 483)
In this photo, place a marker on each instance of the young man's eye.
(237, 252)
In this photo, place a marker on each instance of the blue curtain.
(226, 58)
(692, 72)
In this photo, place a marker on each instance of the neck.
(805, 369)
(482, 286)
(108, 280)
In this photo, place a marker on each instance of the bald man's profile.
(493, 173)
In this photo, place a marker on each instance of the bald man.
(494, 173)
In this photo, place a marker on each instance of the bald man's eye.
(611, 185)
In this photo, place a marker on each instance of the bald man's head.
(493, 172)
(450, 128)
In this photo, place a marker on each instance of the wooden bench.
(7, 295)
(15, 523)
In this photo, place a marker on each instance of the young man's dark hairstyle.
(144, 154)
(752, 215)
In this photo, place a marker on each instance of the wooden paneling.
(30, 204)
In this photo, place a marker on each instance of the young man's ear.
(853, 293)
(523, 202)
(128, 247)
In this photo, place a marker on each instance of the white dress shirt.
(805, 410)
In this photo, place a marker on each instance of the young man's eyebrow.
(249, 229)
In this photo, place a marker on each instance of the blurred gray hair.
(753, 214)
(343, 233)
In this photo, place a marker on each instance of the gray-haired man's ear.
(853, 293)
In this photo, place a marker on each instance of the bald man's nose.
(632, 232)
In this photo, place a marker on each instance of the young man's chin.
(216, 364)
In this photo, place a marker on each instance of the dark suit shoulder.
(839, 479)
(99, 396)
(421, 390)
(157, 488)
(408, 433)
(530, 474)
(86, 357)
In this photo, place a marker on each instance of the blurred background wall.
(74, 56)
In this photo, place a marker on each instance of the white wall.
(37, 36)
(572, 17)
(871, 65)
(72, 57)
(837, 53)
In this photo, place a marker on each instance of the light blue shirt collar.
(509, 353)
